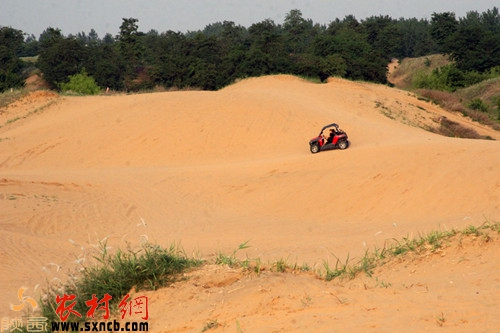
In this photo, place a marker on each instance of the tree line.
(222, 52)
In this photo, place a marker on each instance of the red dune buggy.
(337, 139)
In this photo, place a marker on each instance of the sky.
(105, 16)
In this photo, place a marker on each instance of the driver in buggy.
(332, 134)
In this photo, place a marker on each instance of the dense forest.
(224, 51)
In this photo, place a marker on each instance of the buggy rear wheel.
(342, 144)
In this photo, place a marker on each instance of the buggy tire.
(314, 148)
(342, 144)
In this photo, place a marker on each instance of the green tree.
(267, 53)
(332, 65)
(384, 35)
(204, 62)
(361, 61)
(476, 42)
(50, 36)
(169, 59)
(130, 49)
(11, 66)
(105, 65)
(298, 32)
(232, 50)
(60, 58)
(416, 39)
(310, 65)
(443, 27)
(108, 39)
(30, 47)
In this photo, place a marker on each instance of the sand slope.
(211, 170)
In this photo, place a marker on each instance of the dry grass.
(456, 130)
(9, 97)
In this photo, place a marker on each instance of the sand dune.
(210, 170)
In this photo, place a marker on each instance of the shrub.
(478, 104)
(436, 81)
(498, 109)
(449, 78)
(81, 83)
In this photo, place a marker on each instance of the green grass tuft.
(148, 268)
(232, 260)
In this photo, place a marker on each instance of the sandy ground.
(211, 170)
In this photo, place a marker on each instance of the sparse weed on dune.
(8, 97)
(430, 243)
(255, 265)
(212, 324)
(232, 260)
(38, 110)
(441, 319)
(423, 245)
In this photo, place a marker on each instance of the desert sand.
(211, 170)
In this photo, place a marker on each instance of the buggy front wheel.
(314, 148)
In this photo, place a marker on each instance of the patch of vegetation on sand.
(430, 243)
(9, 97)
(474, 95)
(150, 267)
(350, 268)
(451, 128)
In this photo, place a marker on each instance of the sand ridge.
(210, 170)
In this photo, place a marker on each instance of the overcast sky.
(105, 16)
